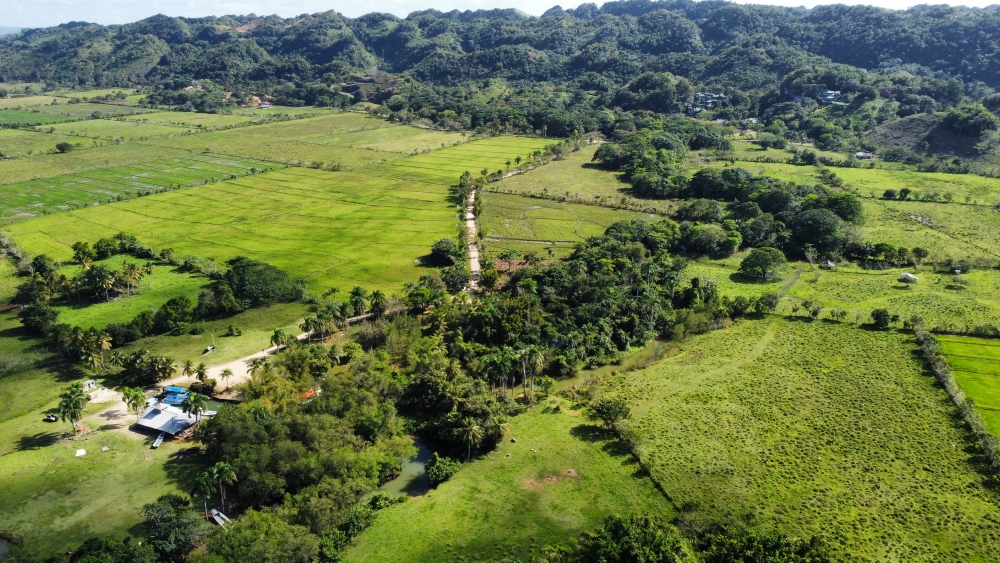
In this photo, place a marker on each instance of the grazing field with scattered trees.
(796, 422)
(646, 281)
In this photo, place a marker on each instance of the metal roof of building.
(167, 419)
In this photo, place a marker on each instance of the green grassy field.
(24, 200)
(86, 110)
(517, 217)
(819, 428)
(192, 120)
(30, 101)
(975, 363)
(333, 229)
(446, 165)
(56, 500)
(151, 292)
(22, 117)
(107, 129)
(521, 500)
(577, 179)
(942, 228)
(17, 143)
(933, 297)
(98, 155)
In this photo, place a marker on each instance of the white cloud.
(41, 13)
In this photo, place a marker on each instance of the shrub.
(880, 318)
(64, 147)
(440, 469)
(610, 411)
(889, 194)
(446, 252)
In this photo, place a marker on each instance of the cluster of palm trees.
(335, 316)
(142, 366)
(88, 345)
(502, 367)
(214, 479)
(105, 282)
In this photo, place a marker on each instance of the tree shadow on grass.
(609, 441)
(38, 441)
(184, 466)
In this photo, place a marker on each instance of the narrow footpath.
(473, 248)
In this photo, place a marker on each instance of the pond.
(5, 547)
(412, 479)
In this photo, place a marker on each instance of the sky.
(43, 13)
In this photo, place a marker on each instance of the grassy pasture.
(113, 129)
(24, 200)
(976, 365)
(933, 297)
(444, 166)
(17, 143)
(57, 500)
(984, 190)
(85, 110)
(817, 428)
(513, 506)
(30, 101)
(192, 120)
(947, 228)
(22, 117)
(576, 178)
(152, 291)
(400, 138)
(330, 228)
(517, 217)
(101, 155)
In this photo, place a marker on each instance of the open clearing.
(803, 423)
(976, 365)
(576, 178)
(446, 165)
(523, 218)
(563, 476)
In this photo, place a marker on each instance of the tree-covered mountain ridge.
(708, 42)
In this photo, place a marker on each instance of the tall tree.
(472, 434)
(223, 474)
(134, 399)
(195, 404)
(71, 405)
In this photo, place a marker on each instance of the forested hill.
(708, 42)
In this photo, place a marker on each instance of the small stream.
(412, 480)
(5, 547)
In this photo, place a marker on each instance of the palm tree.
(204, 486)
(378, 303)
(226, 374)
(135, 399)
(188, 369)
(201, 372)
(533, 360)
(472, 433)
(99, 341)
(164, 367)
(517, 160)
(357, 298)
(309, 325)
(256, 364)
(195, 404)
(278, 339)
(92, 359)
(117, 358)
(71, 404)
(223, 474)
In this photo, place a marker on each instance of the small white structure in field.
(907, 277)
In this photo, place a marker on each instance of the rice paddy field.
(446, 165)
(22, 117)
(86, 110)
(816, 428)
(975, 363)
(333, 229)
(24, 200)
